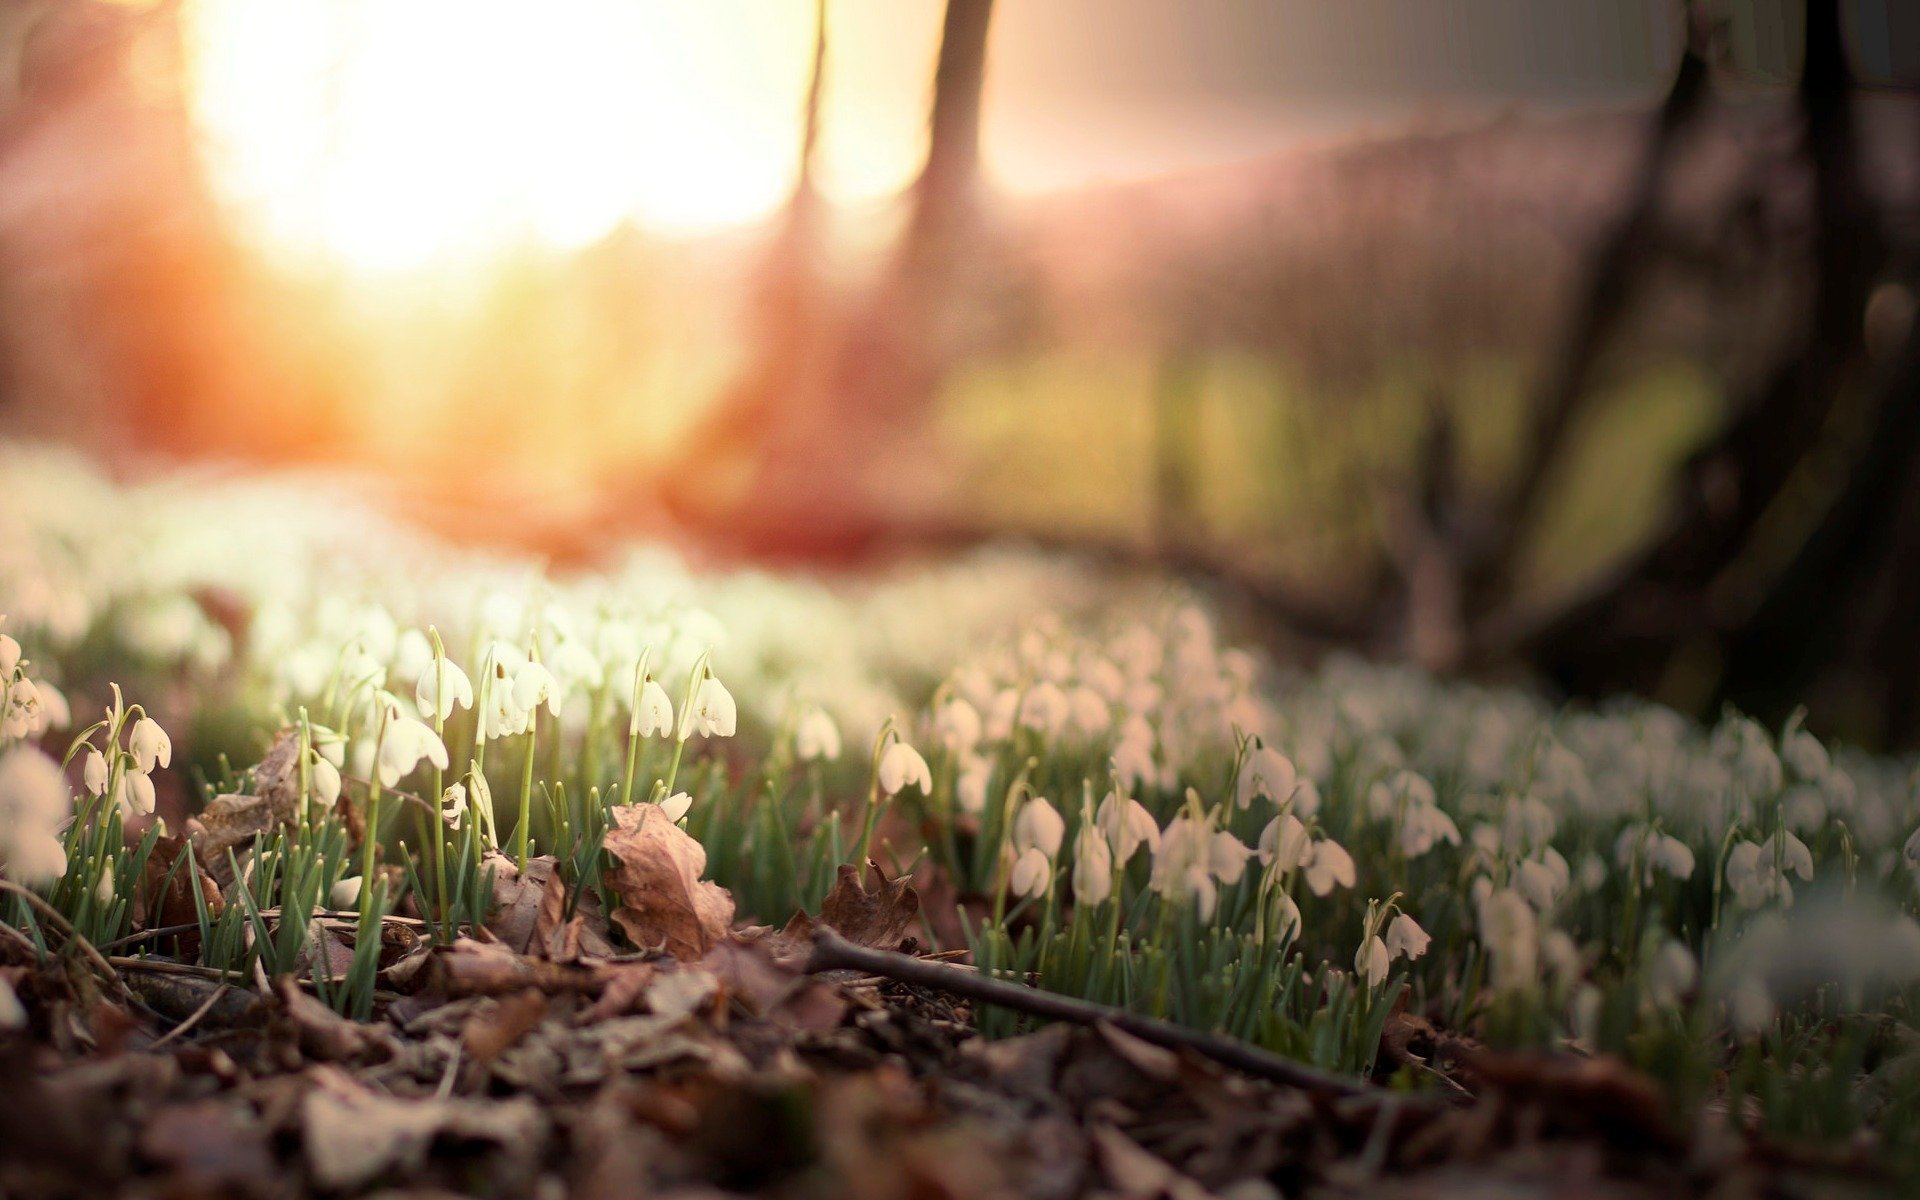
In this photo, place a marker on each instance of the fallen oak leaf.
(656, 875)
(167, 889)
(878, 919)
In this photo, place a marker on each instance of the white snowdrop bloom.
(9, 655)
(149, 745)
(1268, 774)
(1045, 708)
(1593, 872)
(103, 889)
(1657, 852)
(1329, 866)
(1088, 712)
(328, 744)
(345, 894)
(1182, 864)
(1143, 696)
(1306, 798)
(439, 701)
(1423, 827)
(1227, 857)
(1000, 715)
(1511, 935)
(1746, 749)
(1528, 822)
(480, 795)
(1757, 871)
(13, 1014)
(1405, 938)
(902, 765)
(1671, 974)
(1795, 858)
(1092, 866)
(1284, 843)
(676, 806)
(1803, 807)
(1805, 756)
(1561, 954)
(1403, 790)
(1105, 677)
(403, 744)
(133, 794)
(1128, 826)
(1911, 851)
(34, 804)
(970, 789)
(55, 712)
(535, 685)
(956, 725)
(93, 772)
(1133, 765)
(1032, 873)
(1371, 962)
(1542, 880)
(323, 780)
(816, 736)
(1038, 824)
(453, 805)
(712, 712)
(653, 714)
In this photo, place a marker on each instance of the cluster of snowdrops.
(1114, 804)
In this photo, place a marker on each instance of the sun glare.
(388, 134)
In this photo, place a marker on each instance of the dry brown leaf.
(324, 1034)
(231, 822)
(516, 898)
(878, 918)
(352, 1135)
(166, 895)
(498, 1024)
(656, 875)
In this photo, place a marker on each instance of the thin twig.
(831, 952)
(134, 939)
(193, 1018)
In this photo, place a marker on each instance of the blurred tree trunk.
(823, 422)
(1705, 581)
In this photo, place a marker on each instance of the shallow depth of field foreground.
(949, 599)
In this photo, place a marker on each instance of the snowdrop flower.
(1911, 851)
(653, 714)
(1032, 873)
(93, 772)
(1658, 852)
(323, 780)
(1403, 790)
(1038, 825)
(1128, 826)
(1092, 866)
(1284, 843)
(902, 765)
(533, 686)
(1542, 880)
(711, 712)
(437, 700)
(133, 794)
(676, 806)
(1511, 935)
(1405, 938)
(816, 736)
(956, 725)
(150, 745)
(1183, 866)
(1227, 857)
(1328, 866)
(1306, 798)
(328, 744)
(1757, 871)
(1000, 715)
(9, 655)
(1267, 773)
(345, 894)
(1045, 708)
(453, 805)
(1561, 954)
(1805, 756)
(970, 789)
(403, 744)
(1423, 827)
(1371, 962)
(34, 803)
(1671, 974)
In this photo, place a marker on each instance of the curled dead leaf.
(878, 918)
(656, 875)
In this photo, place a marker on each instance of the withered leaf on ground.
(320, 1033)
(353, 1135)
(232, 821)
(166, 894)
(517, 897)
(497, 1024)
(656, 875)
(772, 985)
(878, 918)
